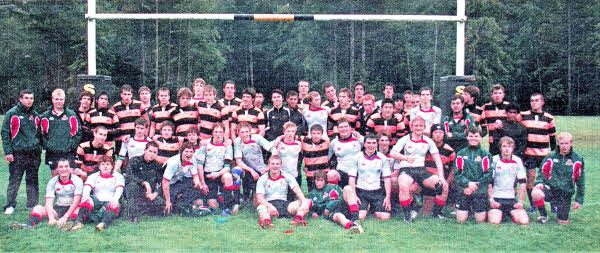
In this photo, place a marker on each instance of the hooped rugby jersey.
(252, 116)
(102, 117)
(184, 118)
(88, 155)
(126, 116)
(315, 155)
(167, 148)
(208, 117)
(541, 133)
(394, 126)
(159, 114)
(351, 114)
(63, 193)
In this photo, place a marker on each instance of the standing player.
(143, 176)
(66, 189)
(303, 96)
(399, 105)
(295, 114)
(161, 112)
(508, 171)
(541, 138)
(210, 113)
(248, 155)
(345, 147)
(185, 115)
(229, 102)
(103, 204)
(387, 121)
(90, 152)
(102, 116)
(359, 91)
(346, 111)
(276, 117)
(61, 131)
(365, 181)
(430, 113)
(199, 87)
(126, 112)
(470, 95)
(271, 196)
(408, 101)
(181, 184)
(214, 161)
(315, 114)
(145, 95)
(457, 123)
(492, 116)
(472, 175)
(133, 146)
(249, 114)
(561, 171)
(388, 93)
(369, 109)
(315, 153)
(259, 98)
(330, 94)
(512, 128)
(22, 150)
(85, 102)
(411, 151)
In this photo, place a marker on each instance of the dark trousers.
(24, 162)
(138, 204)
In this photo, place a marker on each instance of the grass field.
(242, 233)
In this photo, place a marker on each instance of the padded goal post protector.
(450, 86)
(96, 84)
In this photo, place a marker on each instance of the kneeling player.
(561, 171)
(472, 176)
(508, 170)
(214, 159)
(103, 205)
(66, 189)
(271, 196)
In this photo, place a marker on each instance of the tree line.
(547, 46)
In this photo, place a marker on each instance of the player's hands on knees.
(518, 205)
(467, 191)
(255, 175)
(494, 204)
(113, 204)
(387, 204)
(473, 186)
(576, 205)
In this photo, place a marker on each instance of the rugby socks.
(35, 218)
(348, 225)
(529, 196)
(228, 193)
(405, 204)
(439, 204)
(109, 216)
(353, 212)
(541, 207)
(84, 211)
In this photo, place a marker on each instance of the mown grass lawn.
(241, 232)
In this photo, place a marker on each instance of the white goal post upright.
(460, 20)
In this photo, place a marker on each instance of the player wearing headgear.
(101, 205)
(561, 172)
(63, 195)
(411, 151)
(472, 175)
(271, 196)
(508, 170)
(447, 155)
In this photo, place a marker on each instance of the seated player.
(508, 170)
(66, 190)
(472, 175)
(181, 184)
(315, 149)
(271, 196)
(168, 145)
(327, 202)
(561, 171)
(135, 146)
(410, 152)
(345, 147)
(101, 205)
(365, 181)
(248, 156)
(213, 160)
(289, 150)
(142, 179)
(90, 152)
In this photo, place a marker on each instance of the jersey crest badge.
(569, 162)
(478, 158)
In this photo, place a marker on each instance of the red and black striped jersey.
(540, 133)
(447, 155)
(167, 148)
(315, 154)
(88, 155)
(229, 105)
(184, 118)
(102, 117)
(159, 114)
(126, 115)
(475, 112)
(395, 126)
(252, 116)
(491, 113)
(195, 100)
(208, 117)
(352, 115)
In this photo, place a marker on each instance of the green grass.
(241, 232)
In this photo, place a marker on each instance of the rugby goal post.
(460, 20)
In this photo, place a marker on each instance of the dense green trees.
(548, 46)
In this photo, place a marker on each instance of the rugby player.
(345, 147)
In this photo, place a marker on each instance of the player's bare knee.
(362, 215)
(382, 216)
(213, 203)
(227, 179)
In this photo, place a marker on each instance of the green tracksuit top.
(563, 173)
(458, 127)
(19, 130)
(473, 165)
(60, 133)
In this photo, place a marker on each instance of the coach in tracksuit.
(61, 131)
(22, 150)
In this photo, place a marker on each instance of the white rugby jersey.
(106, 188)
(175, 170)
(63, 193)
(368, 171)
(213, 156)
(133, 147)
(275, 188)
(431, 116)
(317, 116)
(416, 149)
(506, 173)
(289, 153)
(251, 152)
(345, 152)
